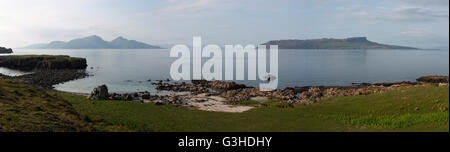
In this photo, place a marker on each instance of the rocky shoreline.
(42, 62)
(205, 95)
(47, 70)
(4, 50)
(230, 93)
(48, 78)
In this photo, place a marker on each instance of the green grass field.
(25, 108)
(420, 108)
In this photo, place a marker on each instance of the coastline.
(226, 103)
(46, 79)
(204, 95)
(421, 105)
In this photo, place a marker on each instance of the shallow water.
(130, 70)
(11, 72)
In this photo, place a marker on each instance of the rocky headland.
(221, 96)
(47, 70)
(5, 50)
(331, 43)
(42, 62)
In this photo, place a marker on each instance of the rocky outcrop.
(200, 86)
(48, 70)
(330, 43)
(433, 79)
(42, 62)
(99, 93)
(194, 88)
(47, 78)
(5, 50)
(236, 93)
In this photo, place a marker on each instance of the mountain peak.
(95, 42)
(120, 38)
(93, 37)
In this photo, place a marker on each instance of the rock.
(5, 50)
(259, 99)
(145, 95)
(172, 98)
(146, 101)
(443, 84)
(99, 93)
(48, 78)
(204, 95)
(135, 95)
(159, 102)
(42, 62)
(433, 79)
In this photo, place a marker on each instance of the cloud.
(192, 6)
(416, 14)
(415, 32)
(427, 2)
(399, 13)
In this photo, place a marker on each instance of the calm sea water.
(130, 70)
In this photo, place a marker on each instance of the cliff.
(329, 43)
(42, 62)
(5, 50)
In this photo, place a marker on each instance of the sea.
(134, 70)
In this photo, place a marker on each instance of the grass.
(400, 121)
(421, 108)
(249, 103)
(24, 108)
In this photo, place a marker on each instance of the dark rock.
(47, 78)
(433, 79)
(5, 50)
(99, 93)
(145, 95)
(42, 62)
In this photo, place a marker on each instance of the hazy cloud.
(417, 14)
(189, 6)
(23, 22)
(427, 2)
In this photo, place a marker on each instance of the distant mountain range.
(94, 42)
(329, 43)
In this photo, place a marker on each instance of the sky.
(417, 23)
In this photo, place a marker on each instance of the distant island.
(330, 43)
(94, 42)
(5, 50)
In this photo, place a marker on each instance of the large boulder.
(5, 50)
(99, 93)
(433, 79)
